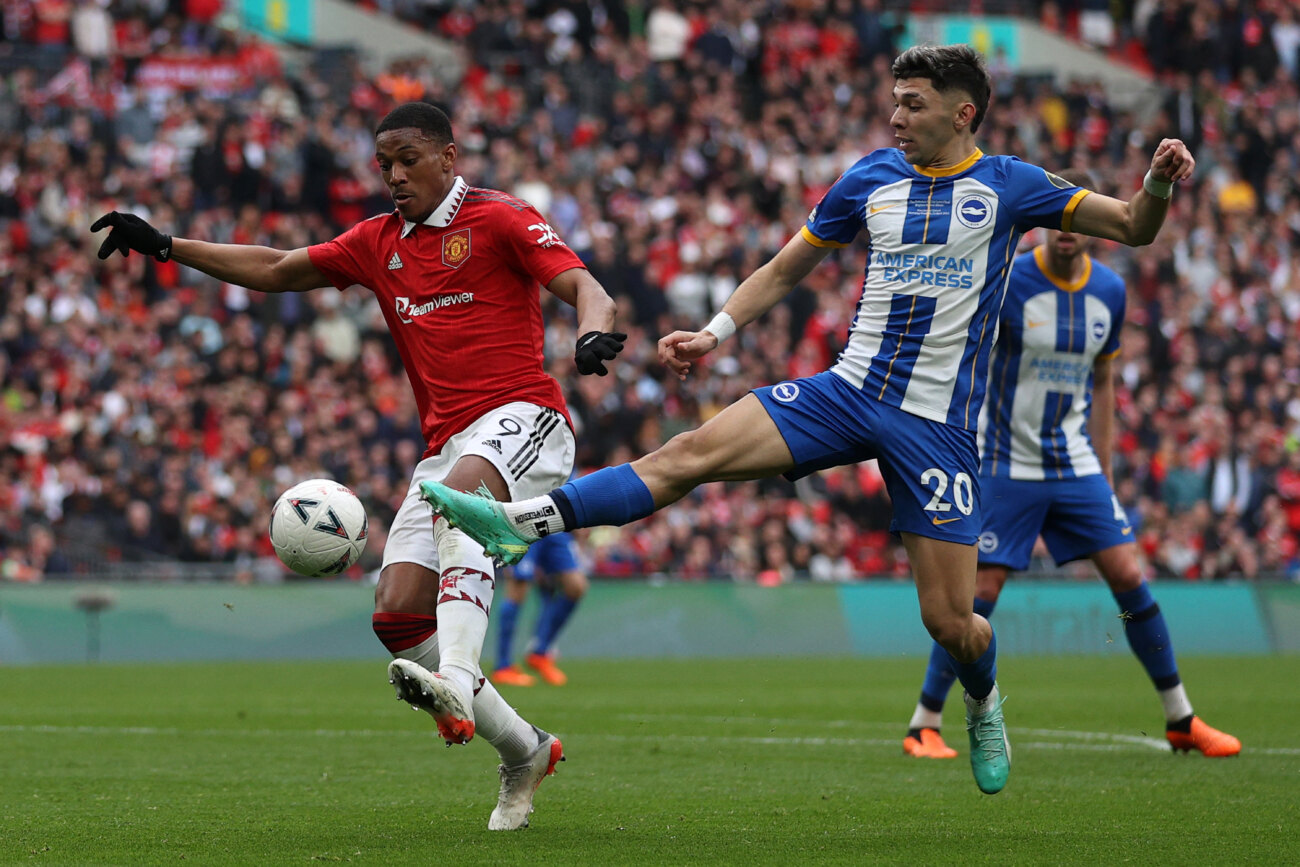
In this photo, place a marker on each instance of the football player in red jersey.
(456, 270)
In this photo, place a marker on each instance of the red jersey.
(460, 295)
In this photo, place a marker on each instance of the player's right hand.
(679, 349)
(128, 232)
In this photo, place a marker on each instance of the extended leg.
(741, 442)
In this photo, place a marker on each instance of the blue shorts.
(931, 469)
(1076, 518)
(549, 555)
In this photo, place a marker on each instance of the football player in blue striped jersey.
(1046, 469)
(942, 220)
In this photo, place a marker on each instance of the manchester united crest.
(455, 248)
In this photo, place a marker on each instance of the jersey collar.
(443, 214)
(951, 170)
(1040, 259)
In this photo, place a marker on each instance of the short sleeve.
(1040, 198)
(539, 251)
(837, 219)
(346, 260)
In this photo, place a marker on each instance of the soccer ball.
(318, 528)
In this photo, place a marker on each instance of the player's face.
(1066, 245)
(417, 170)
(923, 122)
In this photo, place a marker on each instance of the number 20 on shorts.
(963, 492)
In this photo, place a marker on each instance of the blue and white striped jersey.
(941, 244)
(1040, 387)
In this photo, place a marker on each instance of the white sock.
(924, 718)
(425, 653)
(533, 516)
(978, 706)
(464, 600)
(1177, 705)
(502, 726)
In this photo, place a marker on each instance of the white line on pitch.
(1100, 741)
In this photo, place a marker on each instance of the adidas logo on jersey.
(394, 263)
(495, 445)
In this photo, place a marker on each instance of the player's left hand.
(679, 349)
(595, 348)
(1172, 161)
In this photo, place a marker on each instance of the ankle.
(463, 679)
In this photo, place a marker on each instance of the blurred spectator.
(153, 414)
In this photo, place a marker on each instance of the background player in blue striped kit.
(943, 221)
(1046, 469)
(552, 566)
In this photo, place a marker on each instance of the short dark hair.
(949, 68)
(428, 119)
(1080, 177)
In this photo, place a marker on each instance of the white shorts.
(531, 447)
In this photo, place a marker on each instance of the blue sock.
(613, 496)
(506, 615)
(939, 676)
(554, 616)
(979, 676)
(1147, 634)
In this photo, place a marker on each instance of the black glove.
(128, 233)
(595, 348)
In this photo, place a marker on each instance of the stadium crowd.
(151, 416)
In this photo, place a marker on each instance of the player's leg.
(466, 586)
(924, 739)
(410, 621)
(945, 585)
(947, 609)
(429, 594)
(931, 472)
(1012, 512)
(741, 442)
(560, 560)
(1087, 520)
(1148, 636)
(406, 598)
(506, 617)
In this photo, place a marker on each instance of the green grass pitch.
(670, 762)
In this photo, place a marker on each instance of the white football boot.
(519, 782)
(431, 692)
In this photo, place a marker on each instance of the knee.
(408, 588)
(948, 628)
(989, 584)
(575, 585)
(1124, 579)
(387, 597)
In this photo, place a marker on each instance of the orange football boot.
(1205, 739)
(546, 669)
(512, 675)
(927, 744)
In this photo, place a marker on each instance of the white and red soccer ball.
(318, 528)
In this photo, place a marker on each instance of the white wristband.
(721, 326)
(1159, 189)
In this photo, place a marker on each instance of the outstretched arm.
(755, 296)
(1137, 221)
(260, 268)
